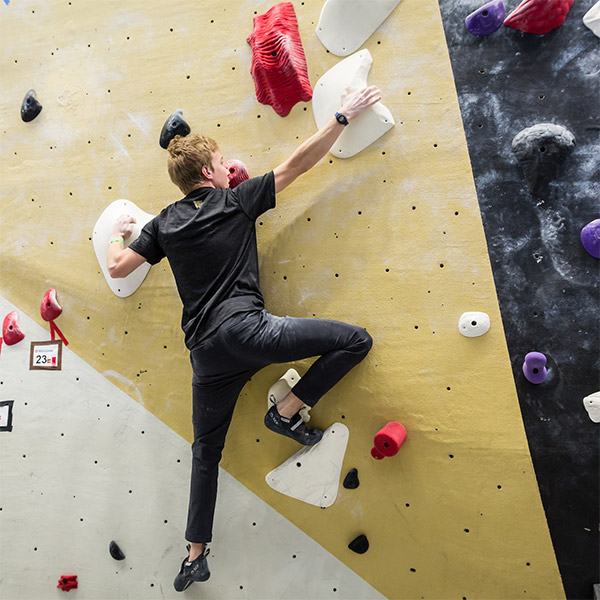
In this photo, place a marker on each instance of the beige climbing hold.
(345, 25)
(366, 128)
(101, 237)
(474, 324)
(592, 405)
(591, 19)
(312, 475)
(281, 388)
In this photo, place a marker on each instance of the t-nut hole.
(542, 148)
(298, 464)
(474, 323)
(536, 371)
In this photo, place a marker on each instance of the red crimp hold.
(278, 63)
(388, 440)
(236, 172)
(538, 16)
(67, 582)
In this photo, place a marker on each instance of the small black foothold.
(359, 545)
(31, 107)
(351, 482)
(115, 551)
(174, 125)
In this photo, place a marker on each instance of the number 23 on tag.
(46, 355)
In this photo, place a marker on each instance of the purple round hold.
(487, 19)
(590, 238)
(534, 367)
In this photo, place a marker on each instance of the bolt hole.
(536, 371)
(485, 13)
(474, 323)
(542, 148)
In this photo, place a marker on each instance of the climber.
(210, 241)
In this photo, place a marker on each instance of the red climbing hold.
(11, 330)
(538, 16)
(50, 308)
(67, 582)
(388, 440)
(278, 62)
(237, 172)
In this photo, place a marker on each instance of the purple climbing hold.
(590, 238)
(31, 107)
(534, 367)
(487, 19)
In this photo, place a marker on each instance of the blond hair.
(187, 156)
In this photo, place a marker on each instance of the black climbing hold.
(174, 125)
(31, 107)
(541, 151)
(115, 551)
(359, 545)
(351, 482)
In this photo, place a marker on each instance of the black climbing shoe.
(293, 428)
(192, 571)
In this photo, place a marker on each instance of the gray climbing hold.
(541, 151)
(31, 107)
(115, 551)
(174, 125)
(359, 545)
(351, 481)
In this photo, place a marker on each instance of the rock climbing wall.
(547, 283)
(391, 239)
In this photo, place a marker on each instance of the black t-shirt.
(209, 239)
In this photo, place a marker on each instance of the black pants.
(222, 364)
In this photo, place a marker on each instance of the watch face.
(341, 119)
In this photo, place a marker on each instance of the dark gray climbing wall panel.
(547, 283)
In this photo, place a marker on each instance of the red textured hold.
(11, 329)
(67, 582)
(538, 16)
(50, 308)
(236, 172)
(278, 62)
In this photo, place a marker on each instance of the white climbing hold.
(592, 405)
(313, 474)
(591, 19)
(474, 324)
(345, 25)
(366, 128)
(101, 237)
(281, 388)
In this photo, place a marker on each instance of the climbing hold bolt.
(359, 545)
(590, 238)
(487, 19)
(174, 125)
(541, 150)
(31, 107)
(534, 367)
(351, 481)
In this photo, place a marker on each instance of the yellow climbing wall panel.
(390, 239)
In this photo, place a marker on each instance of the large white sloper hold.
(345, 25)
(101, 237)
(592, 405)
(313, 474)
(367, 127)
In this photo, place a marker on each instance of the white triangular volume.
(102, 232)
(345, 25)
(313, 474)
(591, 18)
(281, 388)
(366, 128)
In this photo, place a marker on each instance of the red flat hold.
(538, 16)
(278, 63)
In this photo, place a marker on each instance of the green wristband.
(117, 239)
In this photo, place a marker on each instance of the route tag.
(46, 355)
